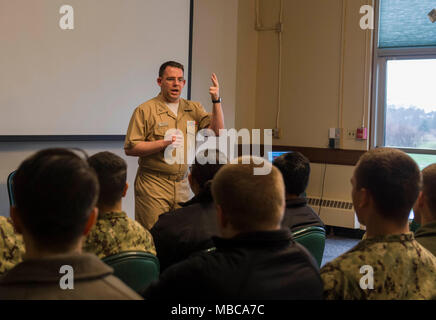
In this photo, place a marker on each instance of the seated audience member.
(114, 231)
(11, 245)
(56, 192)
(389, 263)
(425, 210)
(177, 234)
(295, 169)
(254, 258)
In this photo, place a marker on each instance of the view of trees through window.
(411, 104)
(410, 127)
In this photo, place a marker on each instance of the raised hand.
(214, 90)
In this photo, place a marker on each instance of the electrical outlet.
(277, 133)
(350, 134)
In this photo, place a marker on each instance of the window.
(405, 79)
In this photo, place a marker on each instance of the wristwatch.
(217, 101)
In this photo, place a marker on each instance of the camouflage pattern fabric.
(115, 232)
(402, 269)
(11, 245)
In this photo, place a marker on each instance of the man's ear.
(126, 187)
(159, 81)
(364, 198)
(420, 202)
(222, 221)
(15, 216)
(418, 208)
(91, 221)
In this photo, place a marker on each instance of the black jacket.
(298, 215)
(258, 265)
(180, 233)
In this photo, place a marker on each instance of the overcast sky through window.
(412, 83)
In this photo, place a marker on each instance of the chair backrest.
(10, 183)
(137, 269)
(313, 239)
(413, 225)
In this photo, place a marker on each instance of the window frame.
(378, 101)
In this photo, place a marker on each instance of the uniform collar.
(296, 202)
(426, 230)
(404, 237)
(163, 108)
(256, 239)
(85, 266)
(112, 214)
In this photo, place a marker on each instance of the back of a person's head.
(392, 178)
(206, 165)
(112, 174)
(55, 191)
(295, 169)
(250, 202)
(429, 187)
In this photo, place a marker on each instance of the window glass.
(405, 23)
(410, 120)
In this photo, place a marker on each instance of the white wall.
(215, 50)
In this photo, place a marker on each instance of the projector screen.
(82, 69)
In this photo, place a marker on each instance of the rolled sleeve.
(137, 130)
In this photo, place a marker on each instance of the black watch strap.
(217, 101)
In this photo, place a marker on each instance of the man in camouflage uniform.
(425, 210)
(389, 263)
(114, 231)
(11, 245)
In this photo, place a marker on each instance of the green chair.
(10, 183)
(313, 239)
(137, 269)
(413, 226)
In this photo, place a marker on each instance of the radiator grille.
(328, 203)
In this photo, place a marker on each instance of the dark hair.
(295, 169)
(429, 187)
(202, 173)
(170, 64)
(392, 178)
(55, 191)
(112, 174)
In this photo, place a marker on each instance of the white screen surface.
(85, 81)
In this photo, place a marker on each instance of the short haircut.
(429, 187)
(112, 175)
(295, 169)
(250, 202)
(55, 191)
(206, 165)
(393, 179)
(170, 64)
